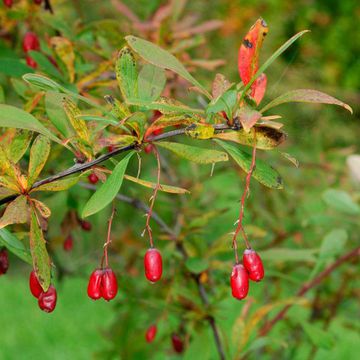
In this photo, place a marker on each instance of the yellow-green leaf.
(195, 154)
(19, 145)
(40, 256)
(79, 125)
(58, 185)
(200, 131)
(39, 154)
(16, 212)
(64, 50)
(42, 208)
(166, 188)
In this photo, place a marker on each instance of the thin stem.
(147, 226)
(242, 206)
(308, 286)
(108, 238)
(48, 6)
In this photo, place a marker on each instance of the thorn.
(143, 233)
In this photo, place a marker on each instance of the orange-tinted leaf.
(248, 59)
(220, 85)
(16, 212)
(248, 117)
(259, 88)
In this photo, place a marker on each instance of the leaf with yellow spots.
(64, 50)
(16, 212)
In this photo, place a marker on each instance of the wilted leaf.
(166, 188)
(259, 88)
(13, 244)
(291, 158)
(195, 154)
(248, 117)
(16, 118)
(108, 190)
(266, 138)
(58, 185)
(307, 96)
(263, 173)
(220, 85)
(39, 154)
(161, 58)
(341, 201)
(126, 73)
(151, 82)
(40, 256)
(44, 211)
(168, 120)
(16, 212)
(64, 50)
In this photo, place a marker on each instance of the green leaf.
(56, 113)
(307, 96)
(272, 58)
(163, 59)
(19, 145)
(39, 154)
(286, 254)
(318, 336)
(195, 154)
(151, 82)
(126, 73)
(13, 67)
(13, 244)
(58, 185)
(225, 102)
(45, 64)
(16, 118)
(16, 212)
(341, 201)
(40, 256)
(196, 265)
(108, 190)
(43, 82)
(166, 188)
(263, 173)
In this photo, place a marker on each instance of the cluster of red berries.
(102, 284)
(252, 269)
(46, 300)
(30, 42)
(177, 342)
(4, 262)
(9, 3)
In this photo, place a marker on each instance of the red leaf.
(248, 59)
(258, 89)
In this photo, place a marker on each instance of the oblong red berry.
(151, 333)
(47, 300)
(239, 282)
(85, 225)
(8, 3)
(94, 285)
(153, 265)
(253, 264)
(37, 2)
(34, 284)
(109, 285)
(30, 42)
(4, 261)
(177, 343)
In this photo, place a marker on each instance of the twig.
(108, 239)
(306, 287)
(48, 6)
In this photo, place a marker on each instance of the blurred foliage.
(298, 231)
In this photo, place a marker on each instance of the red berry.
(153, 265)
(151, 333)
(109, 286)
(157, 132)
(30, 42)
(37, 2)
(34, 284)
(47, 300)
(85, 225)
(177, 343)
(239, 281)
(31, 62)
(253, 265)
(8, 3)
(111, 148)
(94, 286)
(4, 261)
(68, 243)
(148, 148)
(93, 178)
